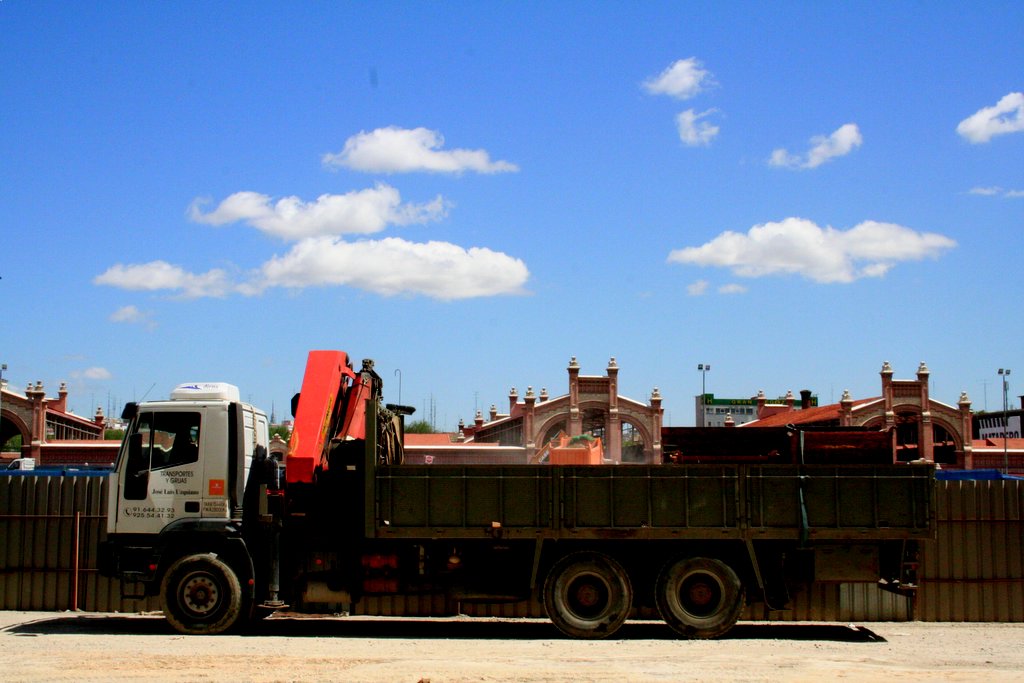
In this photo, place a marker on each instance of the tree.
(419, 427)
(282, 431)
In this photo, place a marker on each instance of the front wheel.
(201, 595)
(588, 595)
(699, 597)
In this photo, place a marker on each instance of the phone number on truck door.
(140, 512)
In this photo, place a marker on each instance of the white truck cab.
(186, 458)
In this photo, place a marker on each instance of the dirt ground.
(42, 646)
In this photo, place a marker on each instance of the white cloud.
(127, 314)
(132, 315)
(320, 255)
(996, 191)
(693, 131)
(95, 373)
(698, 288)
(160, 275)
(824, 255)
(1007, 116)
(358, 212)
(841, 142)
(394, 266)
(732, 288)
(402, 150)
(682, 80)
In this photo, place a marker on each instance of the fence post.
(76, 552)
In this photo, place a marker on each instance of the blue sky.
(473, 193)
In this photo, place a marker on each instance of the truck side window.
(160, 441)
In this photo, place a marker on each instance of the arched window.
(633, 444)
(560, 426)
(944, 445)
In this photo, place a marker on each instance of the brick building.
(925, 429)
(49, 432)
(630, 430)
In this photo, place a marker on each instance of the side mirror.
(130, 411)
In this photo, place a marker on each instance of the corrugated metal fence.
(50, 529)
(975, 569)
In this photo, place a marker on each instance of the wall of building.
(44, 424)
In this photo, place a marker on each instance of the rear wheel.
(588, 595)
(201, 594)
(699, 597)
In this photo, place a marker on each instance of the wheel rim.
(587, 596)
(700, 594)
(200, 594)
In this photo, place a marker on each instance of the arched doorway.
(13, 433)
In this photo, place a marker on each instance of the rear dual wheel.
(699, 597)
(588, 595)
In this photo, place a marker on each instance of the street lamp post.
(1004, 374)
(703, 369)
(3, 368)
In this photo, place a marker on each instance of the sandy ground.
(41, 646)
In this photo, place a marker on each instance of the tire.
(588, 595)
(699, 597)
(201, 595)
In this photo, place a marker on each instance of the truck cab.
(178, 484)
(184, 459)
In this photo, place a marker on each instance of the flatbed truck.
(202, 517)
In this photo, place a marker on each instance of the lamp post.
(1004, 374)
(703, 369)
(3, 367)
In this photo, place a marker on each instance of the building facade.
(924, 429)
(630, 431)
(49, 432)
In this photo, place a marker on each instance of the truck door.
(161, 479)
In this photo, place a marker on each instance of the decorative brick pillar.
(38, 427)
(886, 373)
(62, 398)
(613, 422)
(528, 414)
(846, 409)
(575, 418)
(926, 431)
(655, 454)
(966, 429)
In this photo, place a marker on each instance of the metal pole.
(3, 443)
(76, 553)
(703, 368)
(1004, 375)
(398, 371)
